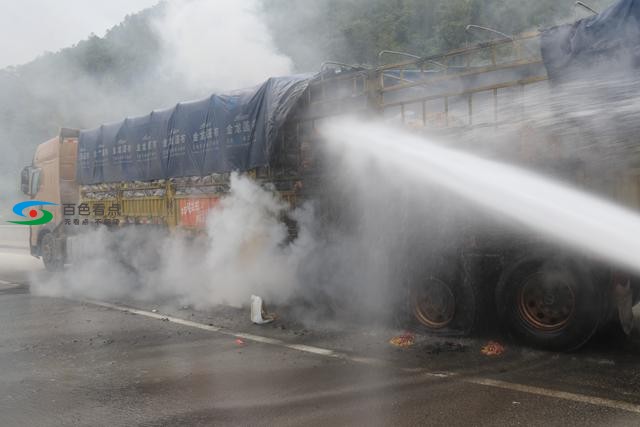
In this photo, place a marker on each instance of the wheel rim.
(546, 304)
(434, 304)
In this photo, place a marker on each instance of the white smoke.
(220, 44)
(243, 252)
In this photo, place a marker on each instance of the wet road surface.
(67, 362)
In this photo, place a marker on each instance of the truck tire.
(52, 256)
(550, 302)
(445, 300)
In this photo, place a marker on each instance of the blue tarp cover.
(612, 36)
(221, 133)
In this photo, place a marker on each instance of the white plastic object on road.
(258, 315)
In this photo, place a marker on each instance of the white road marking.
(539, 391)
(8, 285)
(249, 337)
(581, 398)
(314, 350)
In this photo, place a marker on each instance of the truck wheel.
(445, 301)
(51, 257)
(549, 302)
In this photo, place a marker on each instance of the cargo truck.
(169, 167)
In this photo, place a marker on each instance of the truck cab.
(52, 178)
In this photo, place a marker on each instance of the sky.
(29, 28)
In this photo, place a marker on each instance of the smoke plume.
(243, 252)
(219, 45)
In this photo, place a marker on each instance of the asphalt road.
(67, 362)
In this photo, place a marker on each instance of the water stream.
(566, 215)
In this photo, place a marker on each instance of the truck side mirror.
(25, 177)
(35, 181)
